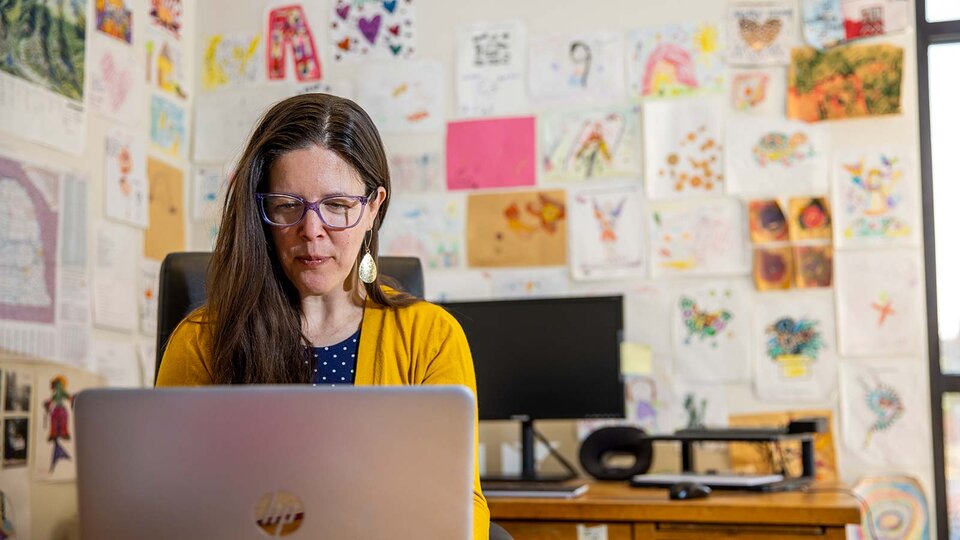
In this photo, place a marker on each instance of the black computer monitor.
(549, 358)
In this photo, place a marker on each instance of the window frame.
(933, 33)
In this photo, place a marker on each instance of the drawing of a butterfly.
(702, 323)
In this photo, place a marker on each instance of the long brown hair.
(253, 307)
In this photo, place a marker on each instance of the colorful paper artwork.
(649, 405)
(773, 268)
(823, 23)
(748, 458)
(809, 218)
(674, 61)
(168, 126)
(814, 266)
(361, 29)
(771, 157)
(115, 82)
(699, 405)
(167, 220)
(898, 509)
(494, 153)
(29, 223)
(758, 34)
(114, 19)
(683, 148)
(607, 234)
(590, 144)
(517, 229)
(876, 203)
(711, 331)
(415, 172)
(794, 339)
(767, 221)
(582, 67)
(844, 82)
(52, 58)
(167, 15)
(456, 285)
(232, 61)
(879, 303)
(165, 64)
(430, 227)
(882, 408)
(701, 238)
(865, 18)
(289, 29)
(54, 433)
(530, 283)
(125, 178)
(403, 97)
(649, 401)
(491, 68)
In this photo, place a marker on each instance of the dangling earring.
(368, 267)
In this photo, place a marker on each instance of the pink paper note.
(491, 153)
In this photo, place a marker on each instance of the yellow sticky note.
(635, 359)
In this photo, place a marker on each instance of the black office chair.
(183, 288)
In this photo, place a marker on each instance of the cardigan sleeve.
(186, 359)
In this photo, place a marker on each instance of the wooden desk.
(635, 514)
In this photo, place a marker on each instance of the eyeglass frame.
(315, 206)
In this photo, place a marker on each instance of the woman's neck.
(330, 319)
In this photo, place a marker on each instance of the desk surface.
(618, 502)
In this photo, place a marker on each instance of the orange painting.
(844, 82)
(517, 229)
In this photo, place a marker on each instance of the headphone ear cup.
(626, 440)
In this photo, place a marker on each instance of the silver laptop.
(260, 461)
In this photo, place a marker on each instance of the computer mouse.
(682, 491)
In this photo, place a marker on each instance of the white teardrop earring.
(368, 267)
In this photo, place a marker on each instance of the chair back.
(183, 288)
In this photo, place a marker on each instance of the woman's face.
(315, 258)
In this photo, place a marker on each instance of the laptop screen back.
(298, 462)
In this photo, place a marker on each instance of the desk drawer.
(705, 531)
(564, 530)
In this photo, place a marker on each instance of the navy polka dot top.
(335, 365)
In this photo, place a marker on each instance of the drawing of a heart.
(759, 36)
(370, 28)
(396, 49)
(343, 10)
(390, 6)
(344, 44)
(395, 29)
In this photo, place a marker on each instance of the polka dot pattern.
(327, 360)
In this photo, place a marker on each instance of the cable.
(871, 532)
(563, 461)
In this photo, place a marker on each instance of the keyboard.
(562, 490)
(713, 480)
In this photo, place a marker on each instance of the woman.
(297, 238)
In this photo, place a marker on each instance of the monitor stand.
(528, 470)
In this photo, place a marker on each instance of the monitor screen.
(553, 358)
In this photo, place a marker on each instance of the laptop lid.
(291, 461)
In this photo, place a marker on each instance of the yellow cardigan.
(417, 344)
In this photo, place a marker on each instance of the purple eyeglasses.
(336, 212)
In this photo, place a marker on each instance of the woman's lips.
(313, 261)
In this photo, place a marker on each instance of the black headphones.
(604, 443)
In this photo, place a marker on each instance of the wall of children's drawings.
(95, 106)
(757, 205)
